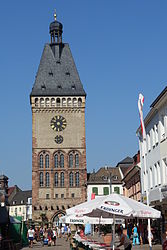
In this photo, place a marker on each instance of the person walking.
(30, 236)
(69, 232)
(124, 240)
(54, 235)
(135, 236)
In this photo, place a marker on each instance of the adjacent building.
(132, 181)
(153, 156)
(3, 190)
(105, 181)
(12, 191)
(21, 205)
(124, 165)
(57, 99)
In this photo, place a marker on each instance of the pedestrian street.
(62, 244)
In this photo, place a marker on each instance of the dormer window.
(22, 201)
(43, 87)
(73, 87)
(50, 73)
(105, 178)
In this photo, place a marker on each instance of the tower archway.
(56, 218)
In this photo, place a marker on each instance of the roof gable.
(21, 196)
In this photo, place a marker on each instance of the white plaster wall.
(154, 156)
(22, 210)
(100, 189)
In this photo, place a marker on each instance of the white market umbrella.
(114, 205)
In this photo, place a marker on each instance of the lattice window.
(70, 160)
(47, 180)
(77, 179)
(71, 179)
(62, 179)
(56, 161)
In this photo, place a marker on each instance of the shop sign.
(144, 198)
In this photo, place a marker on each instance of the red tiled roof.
(10, 190)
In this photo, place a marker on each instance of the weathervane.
(55, 16)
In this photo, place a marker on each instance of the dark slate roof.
(129, 170)
(127, 160)
(103, 174)
(57, 74)
(21, 196)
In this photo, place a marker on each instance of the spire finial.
(55, 16)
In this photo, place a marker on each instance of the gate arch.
(56, 218)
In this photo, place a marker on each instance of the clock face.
(59, 139)
(58, 123)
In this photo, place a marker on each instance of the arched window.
(41, 179)
(47, 180)
(70, 160)
(47, 102)
(63, 102)
(62, 161)
(56, 180)
(41, 161)
(53, 102)
(36, 102)
(58, 102)
(46, 161)
(41, 102)
(74, 102)
(77, 160)
(56, 161)
(71, 180)
(79, 102)
(62, 179)
(69, 102)
(77, 179)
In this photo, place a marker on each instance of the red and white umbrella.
(114, 204)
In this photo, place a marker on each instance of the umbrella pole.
(113, 240)
(149, 234)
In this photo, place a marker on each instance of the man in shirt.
(30, 236)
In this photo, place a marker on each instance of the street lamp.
(110, 181)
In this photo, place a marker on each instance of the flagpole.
(144, 146)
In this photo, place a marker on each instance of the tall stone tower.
(58, 132)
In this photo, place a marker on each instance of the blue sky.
(120, 49)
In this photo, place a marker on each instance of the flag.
(140, 107)
(92, 196)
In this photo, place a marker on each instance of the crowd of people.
(48, 236)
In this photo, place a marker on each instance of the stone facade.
(53, 199)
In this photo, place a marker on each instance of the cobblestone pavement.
(61, 244)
